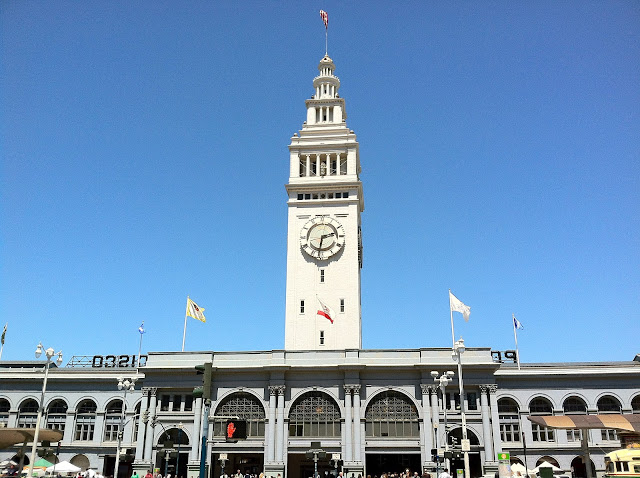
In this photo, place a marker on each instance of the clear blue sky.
(144, 156)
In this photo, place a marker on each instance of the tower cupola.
(326, 83)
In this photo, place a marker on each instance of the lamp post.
(49, 354)
(128, 385)
(458, 350)
(442, 381)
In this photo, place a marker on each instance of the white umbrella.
(546, 464)
(63, 467)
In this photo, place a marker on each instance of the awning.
(13, 436)
(630, 423)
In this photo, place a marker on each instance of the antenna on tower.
(325, 19)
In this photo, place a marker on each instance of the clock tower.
(324, 245)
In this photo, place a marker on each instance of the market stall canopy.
(42, 463)
(63, 467)
(630, 423)
(546, 464)
(13, 436)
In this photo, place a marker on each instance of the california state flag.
(325, 311)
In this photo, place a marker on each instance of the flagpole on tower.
(325, 19)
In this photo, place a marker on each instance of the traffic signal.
(236, 430)
(205, 370)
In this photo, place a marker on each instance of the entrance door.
(378, 463)
(252, 463)
(299, 466)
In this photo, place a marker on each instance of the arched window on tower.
(391, 414)
(57, 415)
(509, 420)
(315, 414)
(244, 406)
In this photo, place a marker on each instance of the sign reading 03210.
(322, 237)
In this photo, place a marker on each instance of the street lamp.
(49, 353)
(128, 385)
(458, 350)
(442, 381)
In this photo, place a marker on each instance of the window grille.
(574, 405)
(608, 405)
(244, 406)
(112, 421)
(314, 414)
(391, 414)
(5, 406)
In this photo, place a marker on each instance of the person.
(444, 474)
(149, 474)
(135, 475)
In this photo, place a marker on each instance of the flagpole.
(184, 333)
(453, 337)
(515, 336)
(326, 41)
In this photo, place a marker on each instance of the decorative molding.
(493, 388)
(273, 389)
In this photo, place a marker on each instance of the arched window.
(574, 405)
(244, 406)
(57, 415)
(509, 420)
(541, 406)
(391, 414)
(314, 414)
(80, 461)
(608, 404)
(112, 420)
(28, 414)
(5, 406)
(85, 420)
(635, 404)
(177, 436)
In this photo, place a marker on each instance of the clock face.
(322, 237)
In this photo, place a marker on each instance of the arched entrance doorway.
(579, 470)
(173, 452)
(454, 438)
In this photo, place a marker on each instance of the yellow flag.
(194, 311)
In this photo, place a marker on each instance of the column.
(495, 422)
(13, 419)
(357, 423)
(486, 424)
(427, 426)
(68, 426)
(280, 424)
(98, 430)
(197, 430)
(148, 446)
(348, 446)
(271, 424)
(127, 434)
(142, 423)
(435, 416)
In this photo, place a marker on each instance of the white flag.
(457, 306)
(517, 324)
(194, 311)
